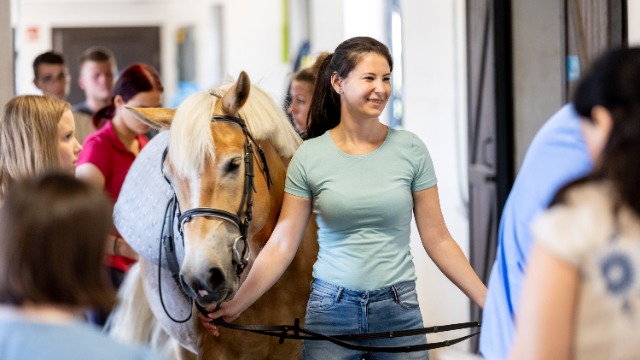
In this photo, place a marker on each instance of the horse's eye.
(234, 164)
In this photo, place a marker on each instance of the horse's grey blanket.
(140, 210)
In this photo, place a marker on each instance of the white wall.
(434, 91)
(633, 13)
(252, 39)
(6, 52)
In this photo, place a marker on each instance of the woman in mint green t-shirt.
(364, 181)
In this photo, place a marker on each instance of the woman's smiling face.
(366, 90)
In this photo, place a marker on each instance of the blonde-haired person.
(37, 134)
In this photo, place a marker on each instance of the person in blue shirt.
(364, 181)
(557, 155)
(581, 295)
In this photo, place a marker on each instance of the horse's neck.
(277, 173)
(278, 170)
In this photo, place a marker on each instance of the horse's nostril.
(216, 277)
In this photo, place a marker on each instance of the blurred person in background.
(97, 72)
(51, 75)
(580, 294)
(109, 152)
(301, 92)
(50, 272)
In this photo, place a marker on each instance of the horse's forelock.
(190, 142)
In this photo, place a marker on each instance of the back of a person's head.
(49, 57)
(97, 54)
(29, 137)
(310, 74)
(135, 79)
(613, 83)
(52, 243)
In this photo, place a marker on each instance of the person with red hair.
(110, 151)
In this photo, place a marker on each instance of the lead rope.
(166, 240)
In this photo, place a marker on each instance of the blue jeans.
(334, 310)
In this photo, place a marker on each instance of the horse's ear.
(237, 95)
(157, 118)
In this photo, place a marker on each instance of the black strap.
(296, 332)
(168, 244)
(299, 333)
(187, 215)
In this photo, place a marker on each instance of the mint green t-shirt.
(363, 206)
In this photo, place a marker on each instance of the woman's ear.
(336, 82)
(596, 131)
(603, 121)
(118, 101)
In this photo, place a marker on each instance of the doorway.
(129, 44)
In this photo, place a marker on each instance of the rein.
(296, 332)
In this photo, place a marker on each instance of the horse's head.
(226, 195)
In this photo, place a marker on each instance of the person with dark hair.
(50, 272)
(51, 76)
(97, 72)
(37, 135)
(109, 152)
(581, 289)
(301, 92)
(364, 181)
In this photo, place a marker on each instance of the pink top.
(104, 150)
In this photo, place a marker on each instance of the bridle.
(240, 258)
(245, 209)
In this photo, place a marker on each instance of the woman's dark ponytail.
(103, 115)
(324, 111)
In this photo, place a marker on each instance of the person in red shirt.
(109, 152)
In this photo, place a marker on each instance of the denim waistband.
(391, 292)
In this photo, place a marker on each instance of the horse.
(212, 136)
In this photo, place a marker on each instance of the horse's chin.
(209, 297)
(214, 298)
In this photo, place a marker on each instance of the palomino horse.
(206, 164)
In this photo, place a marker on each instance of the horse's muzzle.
(211, 291)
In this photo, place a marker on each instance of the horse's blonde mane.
(191, 143)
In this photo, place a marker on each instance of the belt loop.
(396, 296)
(339, 294)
